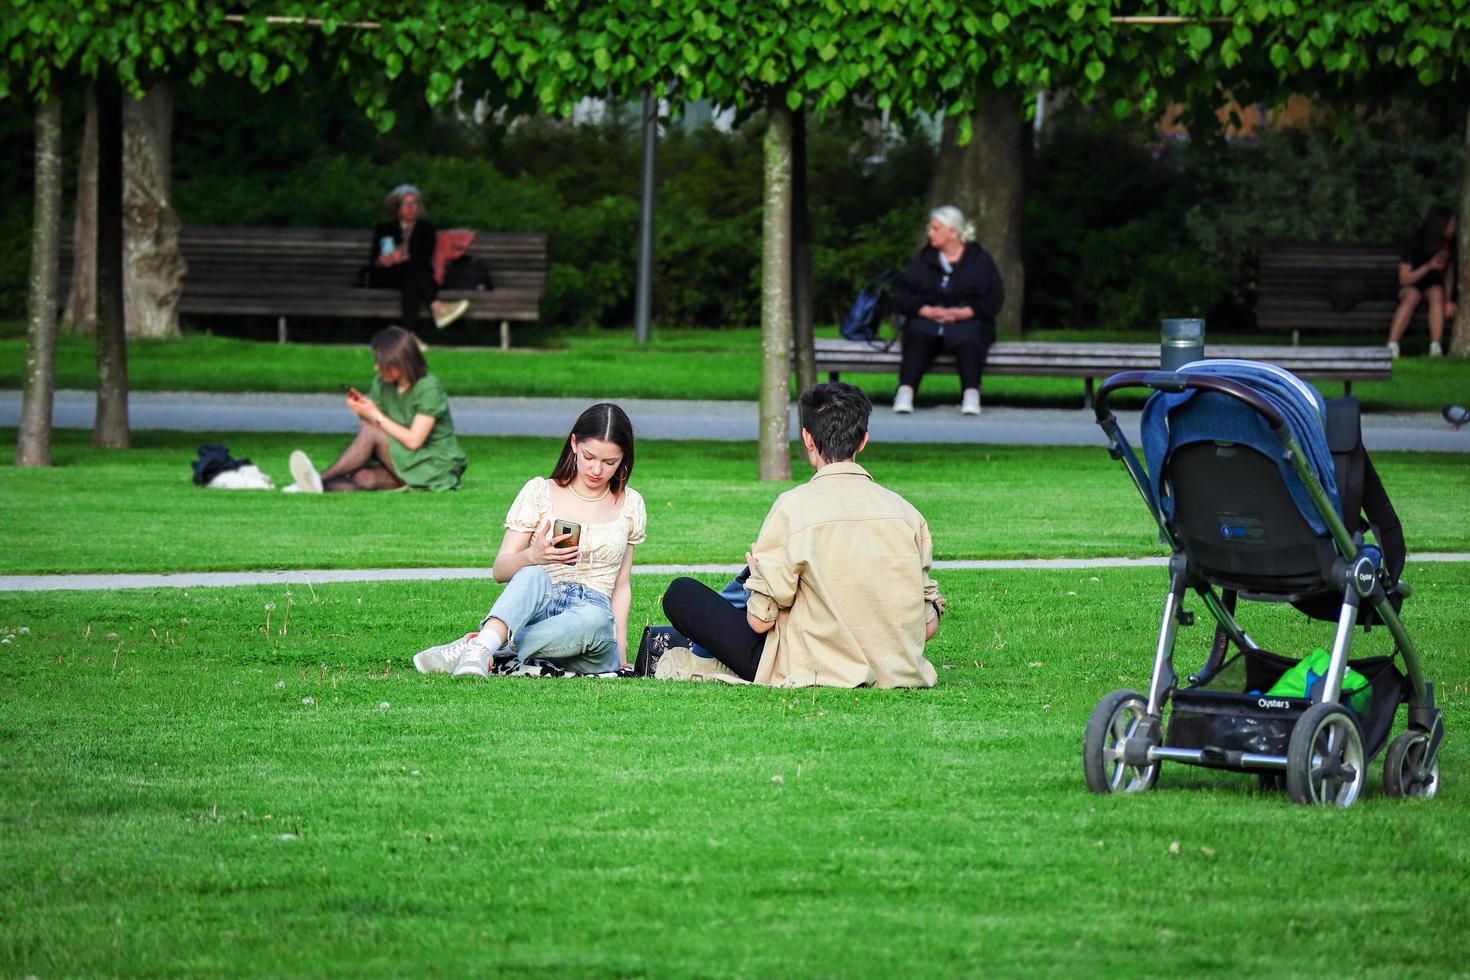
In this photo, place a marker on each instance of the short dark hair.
(836, 415)
(397, 347)
(608, 423)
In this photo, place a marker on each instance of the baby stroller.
(1259, 492)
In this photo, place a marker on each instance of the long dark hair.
(397, 347)
(608, 423)
(1432, 231)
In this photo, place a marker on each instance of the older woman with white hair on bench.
(950, 294)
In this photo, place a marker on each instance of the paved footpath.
(197, 580)
(187, 411)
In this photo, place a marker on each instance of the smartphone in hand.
(561, 527)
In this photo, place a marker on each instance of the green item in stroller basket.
(1308, 674)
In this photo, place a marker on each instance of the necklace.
(591, 500)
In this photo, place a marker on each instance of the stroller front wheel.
(1404, 772)
(1114, 721)
(1325, 762)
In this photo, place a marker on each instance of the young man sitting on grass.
(840, 593)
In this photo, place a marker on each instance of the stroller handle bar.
(1173, 381)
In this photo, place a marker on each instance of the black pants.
(415, 284)
(707, 618)
(921, 348)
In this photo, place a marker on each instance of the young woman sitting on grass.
(567, 595)
(406, 435)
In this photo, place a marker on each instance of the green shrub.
(1311, 185)
(1105, 242)
(1122, 230)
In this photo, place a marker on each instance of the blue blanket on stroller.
(1174, 419)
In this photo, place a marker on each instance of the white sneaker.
(1435, 350)
(305, 475)
(903, 400)
(445, 657)
(474, 658)
(1393, 349)
(970, 402)
(451, 313)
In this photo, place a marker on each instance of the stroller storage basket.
(1233, 713)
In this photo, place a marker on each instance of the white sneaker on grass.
(444, 658)
(903, 400)
(1393, 348)
(970, 402)
(305, 475)
(1435, 350)
(475, 656)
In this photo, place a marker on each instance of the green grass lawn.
(704, 364)
(185, 793)
(138, 511)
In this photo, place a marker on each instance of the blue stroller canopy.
(1174, 419)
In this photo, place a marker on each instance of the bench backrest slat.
(1347, 286)
(316, 270)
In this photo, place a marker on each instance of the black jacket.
(420, 242)
(975, 283)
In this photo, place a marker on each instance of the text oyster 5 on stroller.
(1260, 489)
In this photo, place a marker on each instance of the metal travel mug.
(1180, 341)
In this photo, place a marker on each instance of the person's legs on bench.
(709, 619)
(919, 351)
(971, 361)
(418, 290)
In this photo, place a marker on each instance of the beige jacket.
(842, 568)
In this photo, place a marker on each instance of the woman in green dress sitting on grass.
(406, 439)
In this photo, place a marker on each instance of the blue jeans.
(567, 624)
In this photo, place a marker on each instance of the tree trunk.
(775, 435)
(1460, 338)
(153, 265)
(81, 301)
(33, 445)
(110, 430)
(802, 347)
(986, 180)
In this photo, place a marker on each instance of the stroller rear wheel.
(1113, 722)
(1325, 760)
(1404, 773)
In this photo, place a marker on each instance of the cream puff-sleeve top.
(603, 545)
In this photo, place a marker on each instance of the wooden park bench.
(1092, 361)
(313, 272)
(1327, 288)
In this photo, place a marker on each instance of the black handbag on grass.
(656, 641)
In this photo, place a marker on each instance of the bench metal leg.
(1347, 389)
(280, 330)
(1296, 338)
(834, 375)
(505, 335)
(1086, 392)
